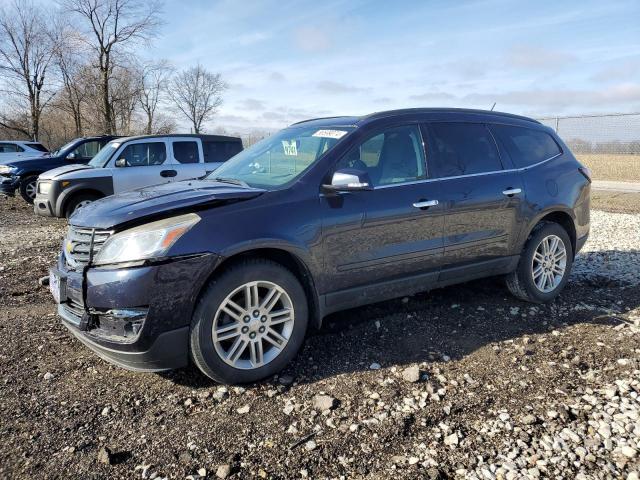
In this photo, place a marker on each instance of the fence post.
(557, 122)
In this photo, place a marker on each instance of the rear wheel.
(249, 323)
(28, 188)
(79, 201)
(545, 264)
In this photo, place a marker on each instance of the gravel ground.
(462, 382)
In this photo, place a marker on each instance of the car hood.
(57, 172)
(159, 200)
(24, 161)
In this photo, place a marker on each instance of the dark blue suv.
(22, 173)
(230, 271)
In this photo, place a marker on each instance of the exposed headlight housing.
(8, 169)
(44, 187)
(144, 242)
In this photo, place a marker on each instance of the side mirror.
(121, 162)
(72, 156)
(349, 180)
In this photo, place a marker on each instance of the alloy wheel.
(549, 263)
(253, 325)
(30, 189)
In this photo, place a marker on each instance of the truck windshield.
(102, 157)
(280, 158)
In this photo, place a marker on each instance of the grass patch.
(615, 202)
(605, 166)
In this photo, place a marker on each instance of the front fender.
(101, 185)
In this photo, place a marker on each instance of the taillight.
(585, 172)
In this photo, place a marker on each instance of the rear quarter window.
(217, 152)
(526, 146)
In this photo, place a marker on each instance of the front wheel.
(79, 201)
(28, 187)
(249, 323)
(545, 264)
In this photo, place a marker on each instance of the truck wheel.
(249, 323)
(28, 188)
(544, 266)
(79, 201)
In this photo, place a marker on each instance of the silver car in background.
(130, 163)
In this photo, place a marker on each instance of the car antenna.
(493, 106)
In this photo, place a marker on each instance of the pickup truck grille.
(82, 244)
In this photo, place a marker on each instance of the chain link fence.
(608, 144)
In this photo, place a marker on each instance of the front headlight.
(7, 169)
(147, 241)
(44, 187)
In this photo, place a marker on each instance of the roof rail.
(389, 113)
(320, 118)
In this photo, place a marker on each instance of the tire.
(521, 282)
(209, 348)
(79, 201)
(28, 188)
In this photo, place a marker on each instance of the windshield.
(102, 157)
(280, 158)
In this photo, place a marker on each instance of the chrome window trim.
(429, 180)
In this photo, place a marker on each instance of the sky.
(289, 60)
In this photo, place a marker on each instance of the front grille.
(82, 244)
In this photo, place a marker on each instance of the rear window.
(186, 152)
(526, 146)
(38, 146)
(220, 151)
(461, 149)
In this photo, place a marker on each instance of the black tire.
(28, 184)
(520, 282)
(75, 201)
(203, 352)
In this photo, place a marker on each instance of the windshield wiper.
(232, 181)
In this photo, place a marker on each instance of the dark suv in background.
(328, 214)
(22, 174)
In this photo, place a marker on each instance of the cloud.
(622, 71)
(252, 38)
(617, 96)
(329, 86)
(252, 104)
(537, 58)
(433, 96)
(312, 39)
(276, 77)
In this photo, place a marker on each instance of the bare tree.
(73, 68)
(113, 25)
(154, 81)
(26, 53)
(197, 93)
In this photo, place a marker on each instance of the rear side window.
(38, 146)
(186, 152)
(461, 149)
(88, 149)
(216, 152)
(10, 148)
(526, 146)
(144, 154)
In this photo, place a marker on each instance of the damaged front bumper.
(9, 184)
(135, 317)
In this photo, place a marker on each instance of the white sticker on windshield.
(330, 133)
(290, 148)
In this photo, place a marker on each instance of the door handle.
(509, 192)
(425, 203)
(168, 173)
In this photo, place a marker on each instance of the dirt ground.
(462, 382)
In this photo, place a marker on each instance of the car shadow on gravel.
(441, 325)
